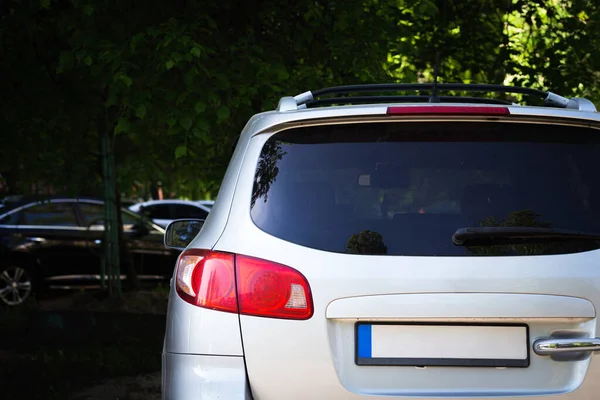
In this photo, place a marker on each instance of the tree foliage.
(175, 82)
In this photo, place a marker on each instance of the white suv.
(378, 247)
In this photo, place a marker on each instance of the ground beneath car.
(84, 346)
(141, 387)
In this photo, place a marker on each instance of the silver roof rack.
(328, 96)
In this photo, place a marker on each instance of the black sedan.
(56, 243)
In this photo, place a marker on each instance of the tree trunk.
(154, 190)
(127, 262)
(111, 226)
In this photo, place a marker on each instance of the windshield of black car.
(404, 188)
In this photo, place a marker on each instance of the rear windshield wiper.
(489, 236)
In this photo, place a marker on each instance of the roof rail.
(324, 96)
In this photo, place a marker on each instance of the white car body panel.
(194, 377)
(434, 306)
(217, 334)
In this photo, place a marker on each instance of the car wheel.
(16, 285)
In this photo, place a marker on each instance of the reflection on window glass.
(157, 211)
(185, 211)
(130, 218)
(49, 214)
(94, 213)
(405, 188)
(10, 219)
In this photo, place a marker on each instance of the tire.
(16, 285)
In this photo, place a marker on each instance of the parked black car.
(56, 243)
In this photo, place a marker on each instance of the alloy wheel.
(15, 286)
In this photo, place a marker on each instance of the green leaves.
(124, 79)
(223, 113)
(427, 7)
(203, 126)
(171, 121)
(140, 112)
(196, 51)
(88, 9)
(199, 107)
(180, 151)
(122, 126)
(65, 62)
(162, 81)
(186, 123)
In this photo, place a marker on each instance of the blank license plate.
(436, 344)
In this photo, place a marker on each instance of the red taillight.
(266, 289)
(445, 110)
(272, 290)
(207, 279)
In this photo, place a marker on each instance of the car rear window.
(406, 188)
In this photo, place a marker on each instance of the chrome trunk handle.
(549, 347)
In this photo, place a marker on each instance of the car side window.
(49, 214)
(94, 213)
(10, 219)
(157, 211)
(185, 211)
(130, 219)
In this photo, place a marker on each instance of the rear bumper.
(200, 377)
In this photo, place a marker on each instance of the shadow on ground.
(83, 347)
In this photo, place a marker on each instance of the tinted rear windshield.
(406, 188)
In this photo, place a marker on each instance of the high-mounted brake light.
(250, 286)
(447, 110)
